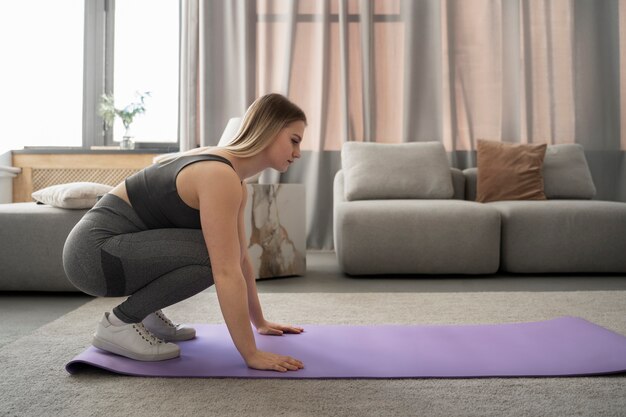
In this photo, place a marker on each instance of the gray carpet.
(33, 380)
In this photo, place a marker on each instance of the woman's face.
(286, 147)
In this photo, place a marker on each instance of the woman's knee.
(76, 258)
(84, 280)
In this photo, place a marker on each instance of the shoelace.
(167, 321)
(146, 334)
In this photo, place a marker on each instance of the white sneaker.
(163, 328)
(133, 341)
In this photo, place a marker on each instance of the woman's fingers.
(280, 368)
(295, 362)
(277, 328)
(291, 366)
(285, 366)
(289, 363)
(271, 331)
(272, 361)
(292, 329)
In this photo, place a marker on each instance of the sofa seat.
(562, 236)
(416, 237)
(34, 263)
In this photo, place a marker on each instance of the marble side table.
(275, 229)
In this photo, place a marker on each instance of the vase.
(127, 143)
(127, 140)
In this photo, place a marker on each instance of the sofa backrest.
(458, 182)
(565, 172)
(415, 170)
(470, 175)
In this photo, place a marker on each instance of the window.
(146, 59)
(58, 57)
(41, 76)
(132, 46)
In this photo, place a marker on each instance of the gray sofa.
(31, 246)
(379, 230)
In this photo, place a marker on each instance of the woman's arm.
(254, 305)
(219, 197)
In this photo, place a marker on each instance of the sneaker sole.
(118, 350)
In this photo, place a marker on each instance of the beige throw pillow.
(509, 171)
(75, 195)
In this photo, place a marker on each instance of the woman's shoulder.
(213, 150)
(203, 180)
(209, 172)
(223, 157)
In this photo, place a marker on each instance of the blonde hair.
(263, 120)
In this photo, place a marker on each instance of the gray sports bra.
(153, 195)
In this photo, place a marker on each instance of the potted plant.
(108, 111)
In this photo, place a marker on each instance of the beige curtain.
(217, 67)
(530, 71)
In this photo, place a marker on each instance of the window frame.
(98, 76)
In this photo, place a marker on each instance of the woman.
(174, 229)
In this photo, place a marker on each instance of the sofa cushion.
(31, 248)
(458, 183)
(74, 195)
(562, 236)
(417, 170)
(509, 171)
(450, 245)
(471, 176)
(566, 173)
(416, 237)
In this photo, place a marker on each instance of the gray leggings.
(111, 253)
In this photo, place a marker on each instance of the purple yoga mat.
(563, 346)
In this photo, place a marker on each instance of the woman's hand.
(277, 329)
(273, 362)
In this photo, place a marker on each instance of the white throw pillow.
(396, 170)
(74, 195)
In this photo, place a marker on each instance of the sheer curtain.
(217, 68)
(529, 71)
